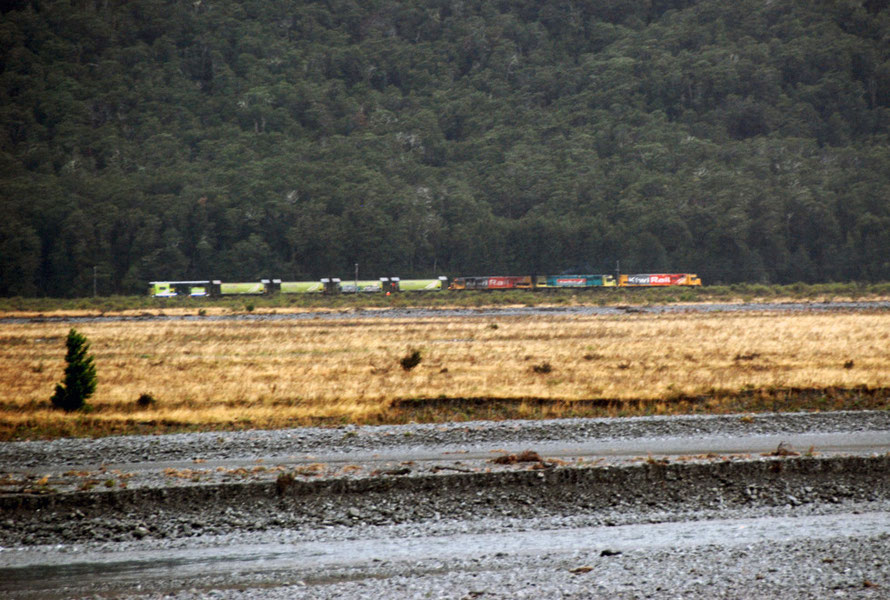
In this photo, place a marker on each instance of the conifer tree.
(80, 375)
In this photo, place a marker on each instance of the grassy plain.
(207, 374)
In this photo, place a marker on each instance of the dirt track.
(331, 512)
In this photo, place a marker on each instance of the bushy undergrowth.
(411, 360)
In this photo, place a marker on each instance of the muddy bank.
(403, 496)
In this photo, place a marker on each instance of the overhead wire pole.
(356, 278)
(95, 287)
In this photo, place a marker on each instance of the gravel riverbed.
(263, 444)
(425, 511)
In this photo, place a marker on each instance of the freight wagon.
(301, 287)
(506, 282)
(238, 289)
(169, 289)
(397, 284)
(363, 286)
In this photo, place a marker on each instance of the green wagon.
(302, 287)
(420, 285)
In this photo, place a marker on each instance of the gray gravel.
(287, 442)
(746, 526)
(792, 570)
(783, 552)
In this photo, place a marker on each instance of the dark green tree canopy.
(158, 139)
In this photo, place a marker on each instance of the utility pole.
(356, 278)
(95, 288)
(617, 270)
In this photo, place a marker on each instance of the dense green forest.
(162, 139)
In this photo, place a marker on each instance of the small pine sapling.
(80, 375)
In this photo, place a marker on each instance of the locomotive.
(657, 279)
(217, 288)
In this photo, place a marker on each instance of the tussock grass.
(216, 375)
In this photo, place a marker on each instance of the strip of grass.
(744, 292)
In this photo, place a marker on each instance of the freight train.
(388, 285)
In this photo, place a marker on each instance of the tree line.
(157, 139)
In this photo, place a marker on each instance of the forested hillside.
(162, 139)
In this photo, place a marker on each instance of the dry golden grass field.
(237, 374)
